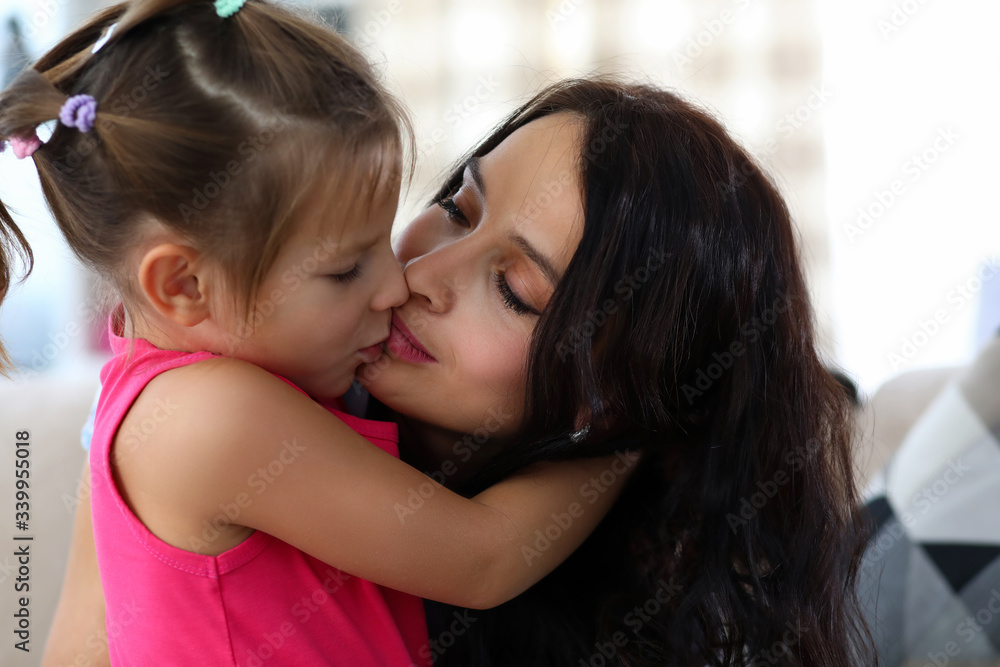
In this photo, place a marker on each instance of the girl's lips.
(405, 345)
(371, 353)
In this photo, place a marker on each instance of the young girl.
(233, 172)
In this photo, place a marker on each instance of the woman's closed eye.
(510, 299)
(453, 212)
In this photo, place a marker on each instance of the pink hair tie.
(25, 146)
(79, 112)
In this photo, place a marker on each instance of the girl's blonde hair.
(217, 128)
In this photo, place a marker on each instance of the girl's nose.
(392, 290)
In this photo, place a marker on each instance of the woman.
(616, 238)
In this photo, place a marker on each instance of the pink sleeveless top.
(261, 603)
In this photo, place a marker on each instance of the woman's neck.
(447, 456)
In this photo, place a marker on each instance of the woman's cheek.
(496, 379)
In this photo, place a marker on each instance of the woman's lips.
(403, 344)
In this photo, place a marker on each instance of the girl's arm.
(241, 438)
(78, 635)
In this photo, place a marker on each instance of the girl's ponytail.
(29, 101)
(12, 243)
(34, 98)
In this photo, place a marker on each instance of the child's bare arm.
(244, 437)
(79, 634)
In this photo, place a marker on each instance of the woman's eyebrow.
(536, 257)
(476, 171)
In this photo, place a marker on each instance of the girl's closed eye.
(347, 276)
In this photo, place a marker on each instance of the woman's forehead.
(532, 183)
(548, 144)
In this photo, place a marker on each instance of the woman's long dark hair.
(682, 327)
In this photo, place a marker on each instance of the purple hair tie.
(79, 112)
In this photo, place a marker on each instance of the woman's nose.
(439, 276)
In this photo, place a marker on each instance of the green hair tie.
(226, 8)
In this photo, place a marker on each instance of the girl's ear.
(175, 280)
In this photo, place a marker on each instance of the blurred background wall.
(878, 119)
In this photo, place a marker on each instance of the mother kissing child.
(575, 279)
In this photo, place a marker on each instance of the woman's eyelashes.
(453, 212)
(507, 295)
(510, 299)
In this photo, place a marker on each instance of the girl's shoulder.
(184, 431)
(215, 401)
